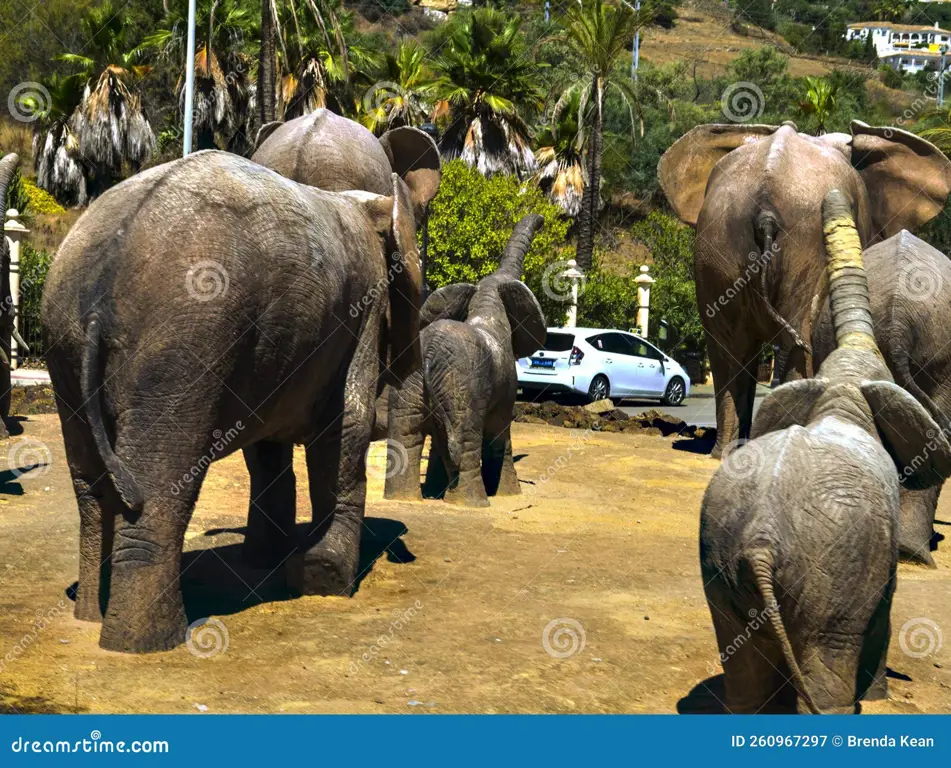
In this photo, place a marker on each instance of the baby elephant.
(464, 396)
(799, 527)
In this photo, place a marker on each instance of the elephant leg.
(327, 561)
(406, 428)
(916, 529)
(749, 667)
(829, 670)
(873, 680)
(272, 511)
(498, 467)
(734, 384)
(98, 503)
(145, 612)
(439, 469)
(465, 456)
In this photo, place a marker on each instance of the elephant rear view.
(464, 394)
(199, 308)
(754, 193)
(799, 526)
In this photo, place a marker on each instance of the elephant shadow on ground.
(216, 581)
(701, 445)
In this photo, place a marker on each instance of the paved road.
(699, 408)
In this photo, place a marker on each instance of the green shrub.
(17, 196)
(470, 222)
(34, 266)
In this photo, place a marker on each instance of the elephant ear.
(788, 405)
(392, 217)
(914, 440)
(525, 317)
(908, 179)
(264, 132)
(685, 168)
(451, 302)
(415, 157)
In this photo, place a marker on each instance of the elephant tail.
(761, 561)
(123, 479)
(767, 228)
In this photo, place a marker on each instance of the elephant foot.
(403, 494)
(328, 568)
(509, 486)
(717, 452)
(877, 691)
(916, 557)
(154, 635)
(467, 497)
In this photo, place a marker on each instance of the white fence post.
(574, 276)
(14, 233)
(644, 282)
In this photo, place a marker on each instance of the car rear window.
(559, 342)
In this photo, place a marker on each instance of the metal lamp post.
(189, 82)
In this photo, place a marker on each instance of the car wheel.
(600, 389)
(674, 395)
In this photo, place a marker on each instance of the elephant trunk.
(521, 240)
(848, 287)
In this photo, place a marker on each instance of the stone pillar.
(14, 233)
(574, 276)
(644, 282)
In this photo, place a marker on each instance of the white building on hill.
(906, 47)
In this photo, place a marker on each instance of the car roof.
(591, 331)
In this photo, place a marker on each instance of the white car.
(603, 363)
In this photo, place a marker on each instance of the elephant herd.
(218, 303)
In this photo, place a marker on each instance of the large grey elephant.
(464, 394)
(754, 193)
(202, 307)
(328, 151)
(799, 526)
(910, 291)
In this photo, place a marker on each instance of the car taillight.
(575, 357)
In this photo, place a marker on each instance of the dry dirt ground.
(451, 614)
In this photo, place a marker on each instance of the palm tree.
(402, 96)
(56, 156)
(224, 94)
(108, 124)
(560, 155)
(935, 126)
(820, 102)
(599, 35)
(486, 76)
(891, 10)
(320, 62)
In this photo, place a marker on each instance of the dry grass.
(18, 137)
